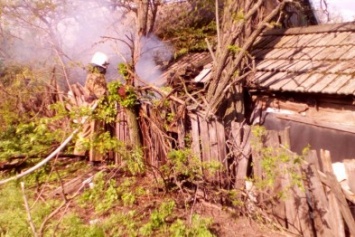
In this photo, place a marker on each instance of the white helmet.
(100, 59)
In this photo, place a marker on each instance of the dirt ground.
(225, 225)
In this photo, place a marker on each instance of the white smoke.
(81, 28)
(153, 54)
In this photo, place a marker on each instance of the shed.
(304, 78)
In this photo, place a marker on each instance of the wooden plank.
(318, 198)
(221, 141)
(121, 130)
(297, 210)
(298, 107)
(213, 140)
(181, 127)
(243, 158)
(204, 135)
(222, 148)
(279, 208)
(342, 203)
(96, 128)
(195, 137)
(290, 210)
(336, 222)
(285, 137)
(204, 139)
(214, 152)
(306, 120)
(256, 157)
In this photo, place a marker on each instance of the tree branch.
(29, 218)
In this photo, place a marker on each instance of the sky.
(339, 10)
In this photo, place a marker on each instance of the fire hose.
(50, 156)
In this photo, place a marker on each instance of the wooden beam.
(310, 121)
(293, 106)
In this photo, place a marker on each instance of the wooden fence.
(317, 205)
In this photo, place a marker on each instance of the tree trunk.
(145, 22)
(133, 127)
(241, 24)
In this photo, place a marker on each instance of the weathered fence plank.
(121, 131)
(222, 151)
(243, 158)
(213, 140)
(181, 127)
(205, 140)
(343, 205)
(318, 198)
(336, 223)
(278, 208)
(195, 136)
(214, 152)
(297, 210)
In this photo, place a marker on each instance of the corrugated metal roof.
(315, 59)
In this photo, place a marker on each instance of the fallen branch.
(9, 166)
(29, 218)
(43, 162)
(60, 155)
(66, 203)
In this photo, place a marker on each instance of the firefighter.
(95, 88)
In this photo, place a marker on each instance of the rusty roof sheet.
(314, 59)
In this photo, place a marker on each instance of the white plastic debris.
(339, 171)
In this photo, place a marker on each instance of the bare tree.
(241, 23)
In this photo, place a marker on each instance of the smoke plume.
(75, 31)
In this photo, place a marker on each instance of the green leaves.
(32, 138)
(234, 48)
(125, 95)
(158, 218)
(239, 15)
(123, 70)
